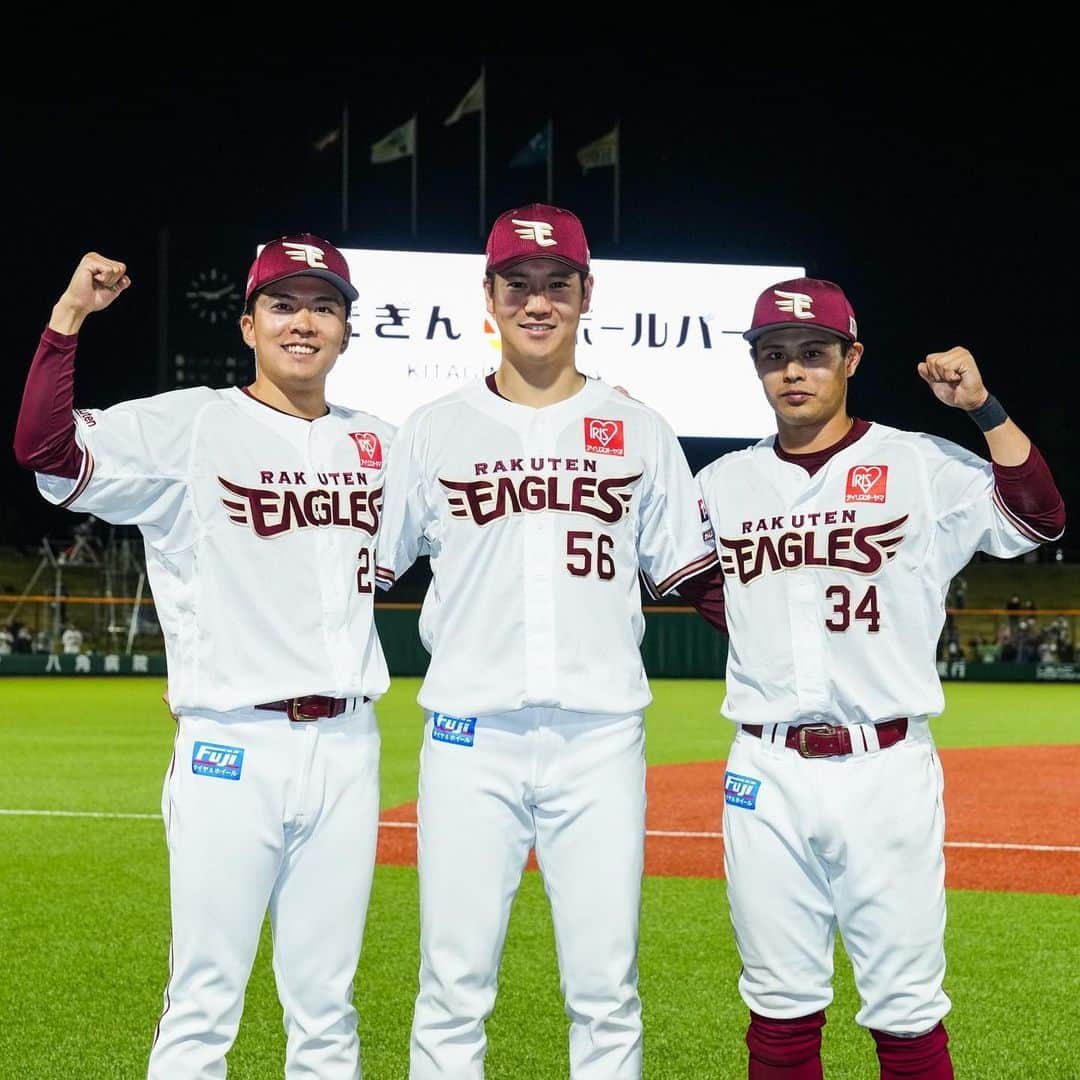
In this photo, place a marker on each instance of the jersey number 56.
(586, 550)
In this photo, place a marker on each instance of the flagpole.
(415, 155)
(483, 144)
(344, 170)
(550, 155)
(616, 178)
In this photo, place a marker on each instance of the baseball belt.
(831, 740)
(311, 707)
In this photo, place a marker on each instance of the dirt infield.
(1012, 818)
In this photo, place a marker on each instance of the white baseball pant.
(296, 832)
(572, 785)
(855, 842)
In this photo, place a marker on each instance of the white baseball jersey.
(835, 584)
(540, 520)
(259, 529)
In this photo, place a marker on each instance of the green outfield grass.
(84, 927)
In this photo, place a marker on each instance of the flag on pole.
(323, 141)
(535, 151)
(397, 144)
(600, 152)
(473, 101)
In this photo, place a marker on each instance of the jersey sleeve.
(706, 593)
(1028, 495)
(969, 515)
(675, 539)
(134, 464)
(45, 429)
(401, 534)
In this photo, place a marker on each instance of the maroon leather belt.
(828, 740)
(312, 707)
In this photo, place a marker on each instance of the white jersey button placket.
(328, 541)
(539, 532)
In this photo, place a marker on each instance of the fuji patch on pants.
(460, 730)
(217, 760)
(741, 790)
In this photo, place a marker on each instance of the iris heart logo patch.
(867, 483)
(603, 436)
(369, 448)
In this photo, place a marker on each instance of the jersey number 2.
(363, 571)
(866, 610)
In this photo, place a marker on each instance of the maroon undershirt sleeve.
(706, 592)
(1030, 493)
(45, 431)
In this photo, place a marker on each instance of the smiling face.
(298, 327)
(804, 374)
(537, 305)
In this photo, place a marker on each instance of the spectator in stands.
(958, 592)
(71, 641)
(1056, 642)
(7, 641)
(24, 641)
(1066, 653)
(43, 642)
(956, 599)
(1013, 605)
(1027, 642)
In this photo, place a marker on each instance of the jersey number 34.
(866, 610)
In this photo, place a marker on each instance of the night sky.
(936, 185)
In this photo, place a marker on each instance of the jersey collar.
(813, 462)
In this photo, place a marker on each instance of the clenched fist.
(96, 283)
(954, 377)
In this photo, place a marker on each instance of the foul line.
(672, 834)
(78, 814)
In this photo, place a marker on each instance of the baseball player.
(838, 539)
(540, 495)
(259, 507)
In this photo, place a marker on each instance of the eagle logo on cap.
(538, 231)
(305, 253)
(797, 303)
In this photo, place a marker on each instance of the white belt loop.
(864, 739)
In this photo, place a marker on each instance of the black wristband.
(989, 414)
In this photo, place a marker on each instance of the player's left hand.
(954, 377)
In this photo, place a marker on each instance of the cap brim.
(517, 260)
(753, 335)
(344, 287)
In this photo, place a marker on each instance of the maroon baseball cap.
(803, 300)
(300, 253)
(537, 231)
